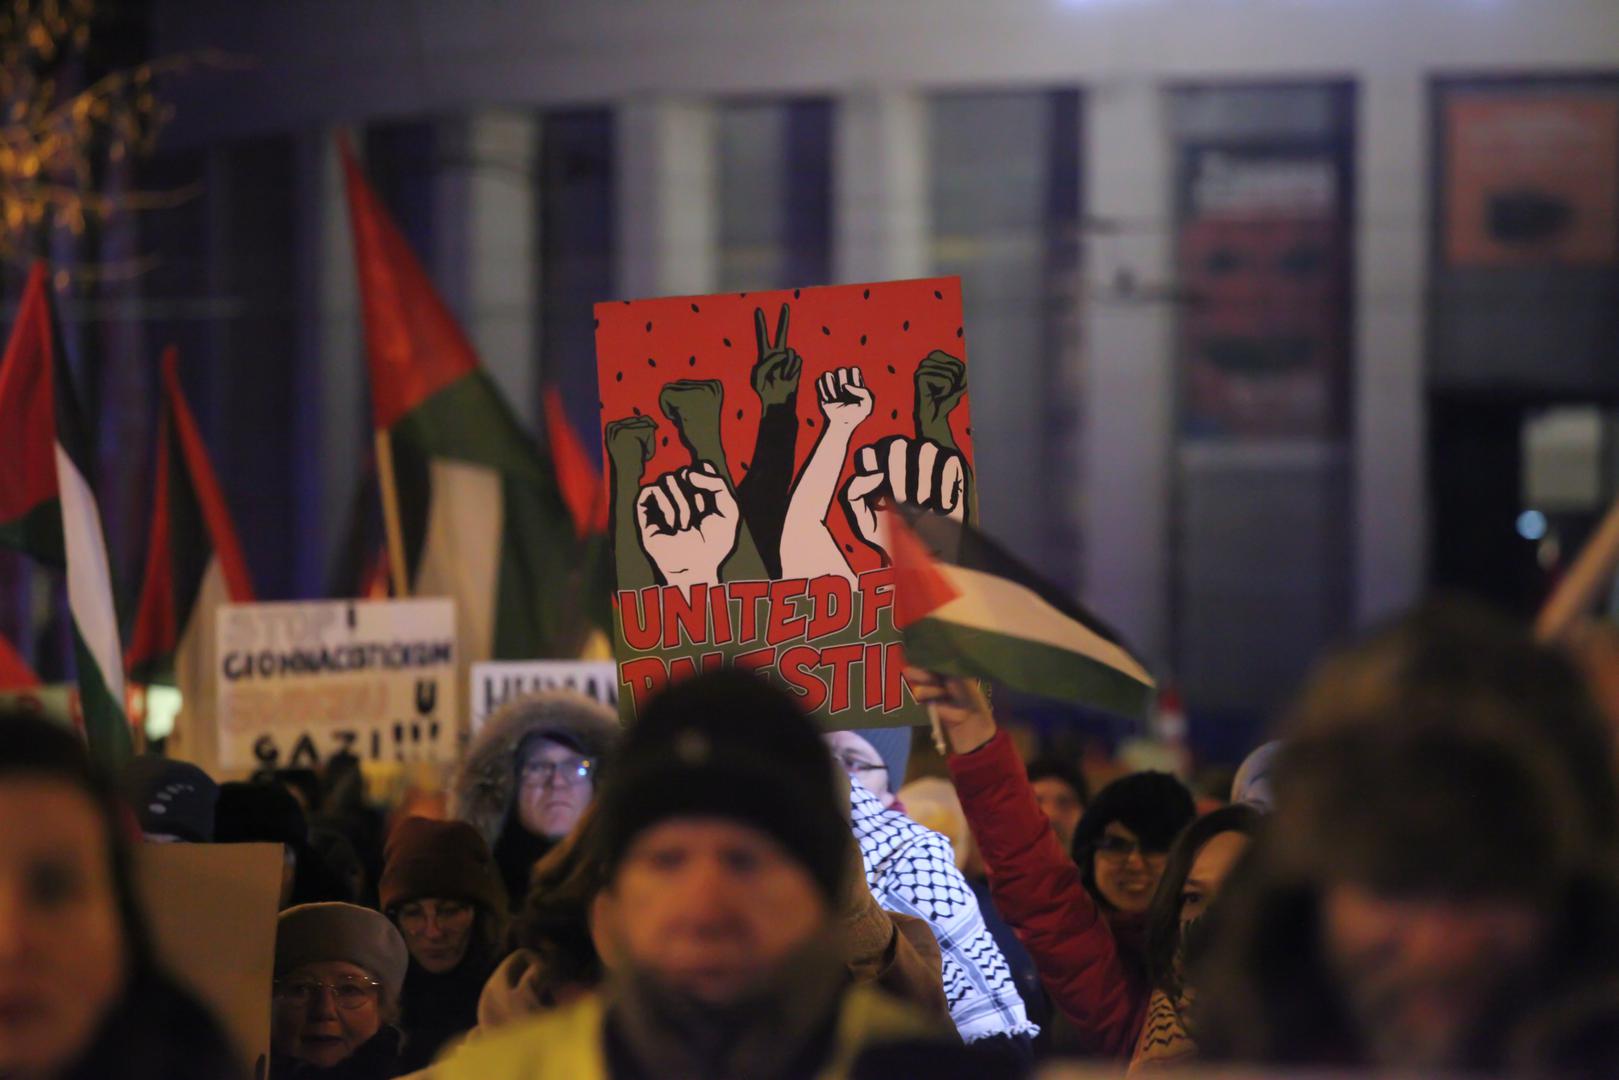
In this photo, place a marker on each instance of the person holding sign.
(81, 994)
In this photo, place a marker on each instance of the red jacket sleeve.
(1037, 889)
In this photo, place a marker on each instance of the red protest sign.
(750, 440)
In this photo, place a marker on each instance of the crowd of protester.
(1417, 875)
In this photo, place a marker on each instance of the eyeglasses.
(348, 993)
(1117, 847)
(572, 771)
(856, 767)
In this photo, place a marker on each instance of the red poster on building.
(1531, 180)
(750, 440)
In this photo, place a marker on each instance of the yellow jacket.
(566, 1044)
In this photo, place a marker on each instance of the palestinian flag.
(48, 510)
(484, 517)
(194, 564)
(966, 607)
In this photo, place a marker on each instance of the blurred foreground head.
(721, 843)
(1435, 871)
(80, 993)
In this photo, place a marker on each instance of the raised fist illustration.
(694, 407)
(844, 399)
(631, 442)
(941, 380)
(688, 524)
(775, 373)
(907, 472)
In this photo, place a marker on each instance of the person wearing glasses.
(335, 1000)
(529, 775)
(874, 758)
(441, 889)
(1083, 918)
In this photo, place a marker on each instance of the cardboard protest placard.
(494, 682)
(212, 910)
(750, 440)
(302, 682)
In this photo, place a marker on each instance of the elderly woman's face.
(321, 1013)
(62, 949)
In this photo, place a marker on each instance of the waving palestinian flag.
(966, 607)
(194, 564)
(48, 510)
(484, 517)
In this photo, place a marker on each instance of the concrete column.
(667, 221)
(1127, 403)
(1391, 281)
(881, 215)
(486, 243)
(336, 409)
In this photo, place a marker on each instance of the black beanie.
(727, 744)
(250, 812)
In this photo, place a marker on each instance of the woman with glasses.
(338, 973)
(441, 889)
(529, 775)
(1082, 918)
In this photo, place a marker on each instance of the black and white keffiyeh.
(911, 870)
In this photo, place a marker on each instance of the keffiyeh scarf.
(911, 870)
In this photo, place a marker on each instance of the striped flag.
(966, 607)
(48, 510)
(194, 564)
(484, 516)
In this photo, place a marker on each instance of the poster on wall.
(302, 682)
(751, 439)
(1531, 179)
(1263, 266)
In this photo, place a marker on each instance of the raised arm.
(1035, 884)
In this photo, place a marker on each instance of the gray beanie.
(313, 933)
(893, 745)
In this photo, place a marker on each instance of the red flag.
(191, 527)
(413, 345)
(577, 475)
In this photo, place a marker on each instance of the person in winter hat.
(1434, 890)
(268, 813)
(339, 970)
(529, 775)
(173, 800)
(723, 853)
(875, 758)
(442, 890)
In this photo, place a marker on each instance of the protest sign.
(750, 441)
(302, 682)
(495, 682)
(211, 909)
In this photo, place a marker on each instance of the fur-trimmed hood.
(486, 782)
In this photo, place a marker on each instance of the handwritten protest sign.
(302, 682)
(495, 682)
(751, 439)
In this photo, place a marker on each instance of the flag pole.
(1592, 569)
(390, 513)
